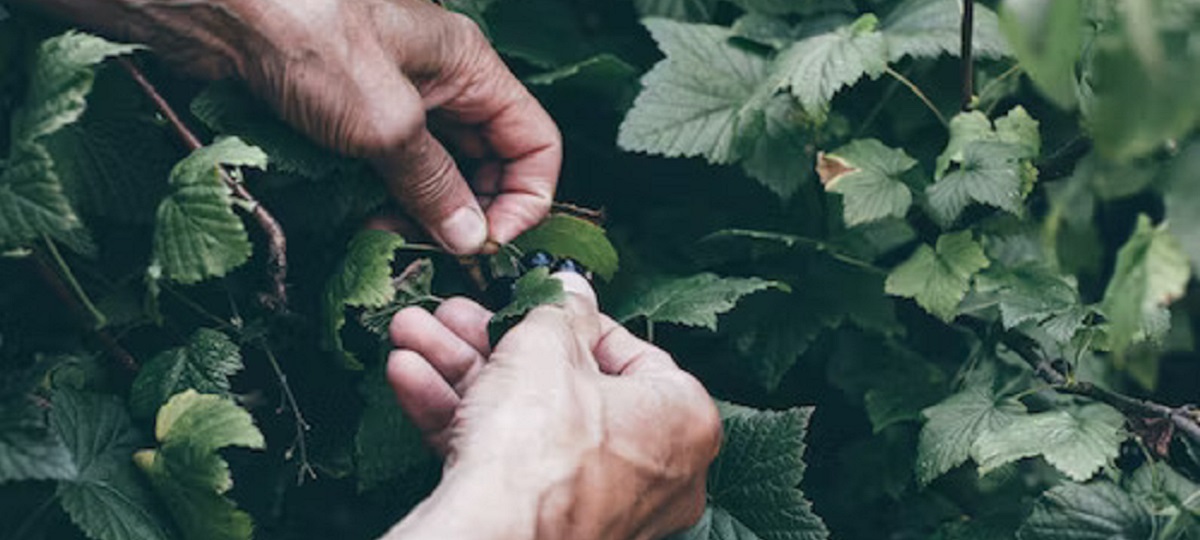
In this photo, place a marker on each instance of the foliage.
(942, 315)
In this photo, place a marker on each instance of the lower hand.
(570, 428)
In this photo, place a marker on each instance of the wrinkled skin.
(586, 430)
(370, 78)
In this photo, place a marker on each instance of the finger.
(418, 330)
(556, 333)
(422, 392)
(423, 177)
(619, 352)
(519, 133)
(468, 320)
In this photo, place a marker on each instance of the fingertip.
(421, 391)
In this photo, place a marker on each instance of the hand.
(359, 77)
(571, 428)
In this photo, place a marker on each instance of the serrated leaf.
(363, 279)
(1015, 128)
(29, 448)
(414, 286)
(204, 364)
(680, 10)
(92, 155)
(109, 498)
(930, 28)
(952, 427)
(756, 477)
(186, 470)
(534, 289)
(693, 101)
(567, 236)
(1182, 199)
(59, 84)
(690, 301)
(781, 156)
(196, 235)
(387, 445)
(228, 108)
(1095, 511)
(32, 202)
(938, 279)
(1151, 272)
(1077, 442)
(1030, 292)
(1046, 36)
(816, 68)
(867, 175)
(990, 173)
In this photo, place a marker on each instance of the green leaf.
(204, 364)
(567, 236)
(716, 524)
(602, 75)
(32, 202)
(186, 470)
(690, 301)
(61, 80)
(536, 288)
(1095, 511)
(781, 156)
(1030, 292)
(1016, 128)
(938, 279)
(990, 173)
(1151, 272)
(109, 498)
(931, 28)
(196, 235)
(92, 156)
(867, 174)
(1078, 441)
(414, 286)
(228, 108)
(680, 10)
(387, 445)
(815, 68)
(1182, 199)
(1047, 36)
(363, 279)
(756, 477)
(953, 426)
(693, 102)
(29, 448)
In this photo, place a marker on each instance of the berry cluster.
(541, 259)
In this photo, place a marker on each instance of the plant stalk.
(968, 62)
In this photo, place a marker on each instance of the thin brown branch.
(968, 62)
(276, 239)
(60, 289)
(1181, 417)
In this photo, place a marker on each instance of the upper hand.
(588, 431)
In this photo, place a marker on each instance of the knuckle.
(388, 128)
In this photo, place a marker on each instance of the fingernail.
(464, 232)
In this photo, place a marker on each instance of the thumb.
(556, 333)
(421, 174)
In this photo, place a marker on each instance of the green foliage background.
(928, 318)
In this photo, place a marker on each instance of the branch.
(276, 239)
(85, 317)
(1181, 417)
(968, 67)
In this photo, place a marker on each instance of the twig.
(916, 90)
(302, 426)
(968, 63)
(86, 319)
(276, 239)
(1181, 417)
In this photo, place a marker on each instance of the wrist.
(472, 503)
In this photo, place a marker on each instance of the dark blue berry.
(572, 265)
(1131, 456)
(537, 259)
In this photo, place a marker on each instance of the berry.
(537, 259)
(1131, 456)
(572, 265)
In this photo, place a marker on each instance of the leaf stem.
(995, 83)
(917, 92)
(98, 318)
(649, 330)
(967, 53)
